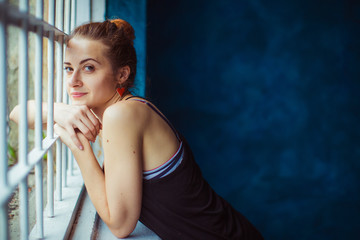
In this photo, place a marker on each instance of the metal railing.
(17, 176)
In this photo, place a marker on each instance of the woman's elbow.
(119, 234)
(122, 229)
(122, 232)
(13, 116)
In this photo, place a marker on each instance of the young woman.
(149, 173)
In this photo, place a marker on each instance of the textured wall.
(134, 12)
(267, 93)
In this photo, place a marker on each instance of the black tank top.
(182, 205)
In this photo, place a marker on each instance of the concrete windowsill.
(75, 217)
(90, 226)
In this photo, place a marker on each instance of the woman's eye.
(89, 68)
(68, 69)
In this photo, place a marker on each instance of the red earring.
(120, 91)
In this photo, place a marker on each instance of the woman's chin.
(79, 102)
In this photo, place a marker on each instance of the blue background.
(267, 94)
(134, 12)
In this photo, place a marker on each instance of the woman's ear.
(123, 74)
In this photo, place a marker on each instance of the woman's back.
(181, 204)
(160, 141)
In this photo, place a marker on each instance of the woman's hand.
(70, 117)
(77, 117)
(67, 139)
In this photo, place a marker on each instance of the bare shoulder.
(125, 112)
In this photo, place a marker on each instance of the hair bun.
(126, 28)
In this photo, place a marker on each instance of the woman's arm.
(14, 114)
(117, 192)
(70, 117)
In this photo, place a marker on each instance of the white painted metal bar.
(98, 9)
(19, 172)
(60, 15)
(15, 17)
(59, 95)
(51, 19)
(23, 86)
(39, 198)
(23, 127)
(73, 15)
(4, 234)
(3, 94)
(83, 12)
(65, 96)
(24, 209)
(64, 172)
(66, 152)
(38, 121)
(58, 177)
(72, 25)
(59, 90)
(67, 11)
(38, 77)
(50, 184)
(59, 71)
(50, 128)
(64, 149)
(50, 119)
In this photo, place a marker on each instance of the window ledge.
(75, 217)
(59, 226)
(90, 226)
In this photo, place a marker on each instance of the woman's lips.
(77, 94)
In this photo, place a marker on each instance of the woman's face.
(89, 75)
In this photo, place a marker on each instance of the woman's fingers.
(93, 123)
(72, 117)
(90, 123)
(84, 120)
(95, 120)
(74, 138)
(85, 128)
(68, 136)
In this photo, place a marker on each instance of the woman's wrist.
(57, 111)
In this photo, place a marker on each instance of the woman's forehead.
(78, 48)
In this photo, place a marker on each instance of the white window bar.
(70, 25)
(3, 124)
(38, 120)
(50, 116)
(59, 93)
(23, 126)
(59, 164)
(18, 174)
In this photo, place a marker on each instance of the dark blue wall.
(267, 94)
(134, 12)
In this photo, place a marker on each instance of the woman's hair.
(118, 35)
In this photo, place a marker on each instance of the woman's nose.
(75, 80)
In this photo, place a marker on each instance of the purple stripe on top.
(170, 165)
(159, 113)
(167, 167)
